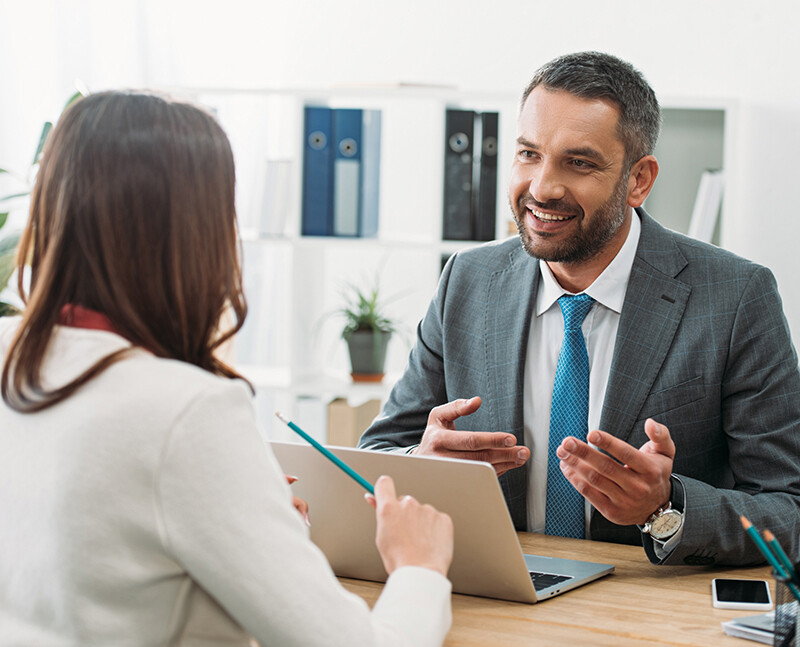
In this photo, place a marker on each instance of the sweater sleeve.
(226, 516)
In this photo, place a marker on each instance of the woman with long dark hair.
(138, 503)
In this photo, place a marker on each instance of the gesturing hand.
(624, 492)
(442, 439)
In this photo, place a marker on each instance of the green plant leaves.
(48, 126)
(14, 195)
(7, 310)
(8, 249)
(363, 312)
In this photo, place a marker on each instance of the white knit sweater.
(146, 510)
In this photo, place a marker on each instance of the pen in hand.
(329, 455)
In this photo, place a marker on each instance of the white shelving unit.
(290, 346)
(696, 136)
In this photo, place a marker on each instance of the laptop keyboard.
(544, 580)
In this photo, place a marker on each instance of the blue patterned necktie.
(569, 413)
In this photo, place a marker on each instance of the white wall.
(733, 49)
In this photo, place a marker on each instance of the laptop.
(487, 560)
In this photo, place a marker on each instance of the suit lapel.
(507, 320)
(654, 304)
(512, 293)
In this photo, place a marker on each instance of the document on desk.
(758, 627)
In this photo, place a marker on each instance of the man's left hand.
(625, 492)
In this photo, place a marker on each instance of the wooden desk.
(639, 604)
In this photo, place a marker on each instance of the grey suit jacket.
(702, 346)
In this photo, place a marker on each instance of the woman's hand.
(300, 505)
(409, 533)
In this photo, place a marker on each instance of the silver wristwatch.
(664, 523)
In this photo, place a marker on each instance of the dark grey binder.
(458, 161)
(485, 208)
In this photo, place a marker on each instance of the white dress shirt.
(544, 344)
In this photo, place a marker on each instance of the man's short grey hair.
(595, 75)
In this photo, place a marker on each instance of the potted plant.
(367, 332)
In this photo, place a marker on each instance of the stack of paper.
(759, 627)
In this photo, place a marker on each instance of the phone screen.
(754, 591)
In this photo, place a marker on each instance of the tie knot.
(575, 308)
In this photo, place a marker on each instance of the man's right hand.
(442, 439)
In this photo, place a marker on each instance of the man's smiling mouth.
(549, 217)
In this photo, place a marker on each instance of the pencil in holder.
(787, 633)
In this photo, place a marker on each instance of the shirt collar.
(607, 289)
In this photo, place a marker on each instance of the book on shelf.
(707, 205)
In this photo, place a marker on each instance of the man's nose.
(546, 183)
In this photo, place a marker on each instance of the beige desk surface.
(639, 604)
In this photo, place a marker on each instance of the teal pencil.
(783, 558)
(330, 456)
(767, 553)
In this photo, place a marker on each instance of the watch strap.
(678, 501)
(677, 496)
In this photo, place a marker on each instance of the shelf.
(250, 235)
(325, 387)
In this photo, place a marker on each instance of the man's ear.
(640, 182)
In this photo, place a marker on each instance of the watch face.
(666, 524)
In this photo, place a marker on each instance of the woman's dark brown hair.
(132, 215)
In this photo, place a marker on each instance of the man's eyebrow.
(586, 151)
(582, 151)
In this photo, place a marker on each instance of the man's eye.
(582, 164)
(525, 154)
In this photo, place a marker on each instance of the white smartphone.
(750, 595)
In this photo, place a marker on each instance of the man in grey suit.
(691, 374)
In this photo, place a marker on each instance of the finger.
(384, 490)
(515, 456)
(619, 449)
(662, 442)
(594, 468)
(300, 505)
(474, 441)
(595, 496)
(445, 414)
(371, 500)
(290, 479)
(502, 468)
